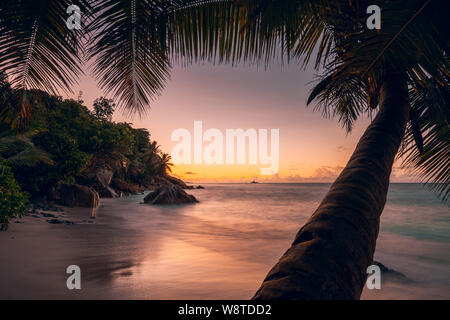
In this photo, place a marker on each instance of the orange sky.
(312, 148)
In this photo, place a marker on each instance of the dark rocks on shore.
(392, 275)
(108, 192)
(169, 194)
(126, 187)
(55, 221)
(99, 179)
(58, 221)
(177, 182)
(75, 195)
(48, 215)
(200, 187)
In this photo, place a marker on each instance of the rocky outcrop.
(55, 191)
(108, 192)
(177, 182)
(104, 176)
(74, 195)
(391, 274)
(169, 194)
(126, 187)
(99, 178)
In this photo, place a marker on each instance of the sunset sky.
(312, 148)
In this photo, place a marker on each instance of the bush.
(12, 200)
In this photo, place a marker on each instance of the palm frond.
(22, 151)
(37, 50)
(129, 49)
(430, 104)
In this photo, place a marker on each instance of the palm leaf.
(129, 49)
(430, 104)
(37, 50)
(27, 154)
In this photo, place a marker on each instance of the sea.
(223, 246)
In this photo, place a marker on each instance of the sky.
(312, 148)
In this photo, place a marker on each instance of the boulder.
(392, 275)
(55, 191)
(178, 182)
(108, 192)
(99, 178)
(78, 196)
(169, 194)
(126, 187)
(104, 176)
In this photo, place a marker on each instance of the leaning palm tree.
(400, 72)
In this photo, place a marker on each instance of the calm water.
(222, 247)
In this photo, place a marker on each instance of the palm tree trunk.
(330, 254)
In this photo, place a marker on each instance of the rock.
(48, 215)
(200, 187)
(126, 187)
(55, 221)
(177, 182)
(55, 191)
(104, 176)
(392, 275)
(169, 194)
(79, 196)
(99, 179)
(108, 192)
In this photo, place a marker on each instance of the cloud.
(326, 173)
(401, 174)
(341, 149)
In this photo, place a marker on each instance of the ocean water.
(222, 247)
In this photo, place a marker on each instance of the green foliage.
(104, 109)
(63, 138)
(12, 200)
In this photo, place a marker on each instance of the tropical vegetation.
(62, 139)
